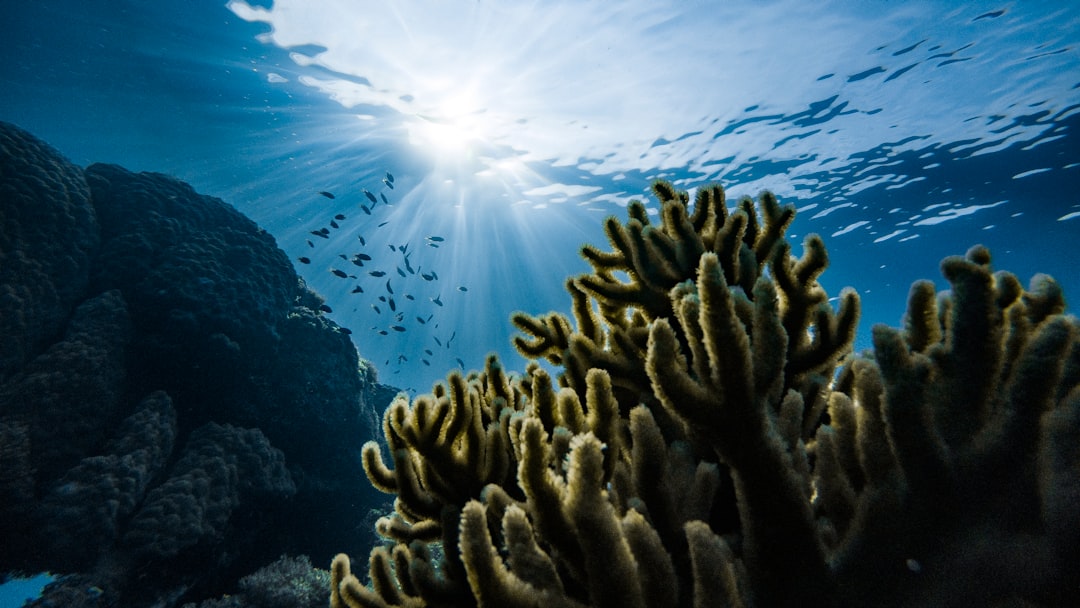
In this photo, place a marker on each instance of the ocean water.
(17, 591)
(902, 131)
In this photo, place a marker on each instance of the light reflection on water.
(703, 91)
(527, 124)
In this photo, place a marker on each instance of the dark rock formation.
(48, 238)
(175, 410)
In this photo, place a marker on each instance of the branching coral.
(711, 440)
(952, 452)
(660, 258)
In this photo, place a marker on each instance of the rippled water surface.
(902, 131)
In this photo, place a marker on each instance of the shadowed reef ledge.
(709, 439)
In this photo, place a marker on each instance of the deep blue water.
(904, 132)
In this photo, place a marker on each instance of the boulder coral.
(710, 439)
(175, 408)
(50, 232)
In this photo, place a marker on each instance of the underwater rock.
(48, 233)
(83, 511)
(140, 317)
(221, 468)
(69, 396)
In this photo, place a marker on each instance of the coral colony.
(177, 411)
(710, 439)
(174, 406)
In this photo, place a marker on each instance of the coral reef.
(50, 232)
(89, 361)
(287, 583)
(80, 515)
(221, 468)
(170, 392)
(711, 440)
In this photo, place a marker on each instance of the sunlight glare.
(455, 126)
(441, 137)
(584, 90)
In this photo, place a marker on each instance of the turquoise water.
(16, 591)
(903, 132)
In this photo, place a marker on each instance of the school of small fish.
(399, 263)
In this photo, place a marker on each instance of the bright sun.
(445, 136)
(453, 127)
